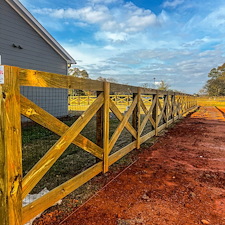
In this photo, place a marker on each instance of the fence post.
(179, 106)
(166, 107)
(136, 117)
(88, 100)
(116, 100)
(10, 149)
(185, 104)
(182, 105)
(106, 127)
(99, 126)
(139, 119)
(173, 106)
(155, 112)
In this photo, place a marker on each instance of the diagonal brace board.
(44, 202)
(147, 113)
(170, 109)
(44, 164)
(119, 129)
(162, 109)
(45, 119)
(120, 117)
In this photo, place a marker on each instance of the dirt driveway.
(180, 180)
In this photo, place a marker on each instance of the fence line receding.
(162, 110)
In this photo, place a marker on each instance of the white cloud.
(114, 37)
(80, 24)
(137, 22)
(109, 47)
(104, 1)
(88, 14)
(172, 4)
(125, 18)
(127, 42)
(216, 19)
(182, 69)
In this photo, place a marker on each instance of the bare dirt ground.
(180, 180)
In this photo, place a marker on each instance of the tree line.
(215, 86)
(76, 72)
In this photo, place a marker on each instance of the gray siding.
(36, 54)
(55, 101)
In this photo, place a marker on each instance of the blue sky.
(178, 41)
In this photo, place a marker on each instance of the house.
(25, 43)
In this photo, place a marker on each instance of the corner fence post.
(106, 127)
(10, 148)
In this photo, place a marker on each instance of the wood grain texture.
(147, 136)
(40, 116)
(59, 192)
(106, 127)
(122, 152)
(135, 117)
(10, 149)
(155, 112)
(166, 100)
(147, 115)
(138, 119)
(120, 117)
(122, 124)
(44, 79)
(45, 163)
(99, 124)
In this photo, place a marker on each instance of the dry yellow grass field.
(211, 101)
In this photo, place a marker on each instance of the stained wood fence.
(14, 187)
(81, 103)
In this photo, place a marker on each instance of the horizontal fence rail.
(158, 108)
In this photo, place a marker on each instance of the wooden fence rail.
(164, 109)
(117, 99)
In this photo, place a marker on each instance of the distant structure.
(25, 43)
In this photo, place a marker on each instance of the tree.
(109, 79)
(215, 86)
(163, 86)
(75, 72)
(145, 85)
(78, 73)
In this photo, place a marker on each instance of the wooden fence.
(81, 103)
(14, 187)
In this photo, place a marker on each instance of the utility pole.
(154, 83)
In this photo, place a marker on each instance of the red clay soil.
(180, 180)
